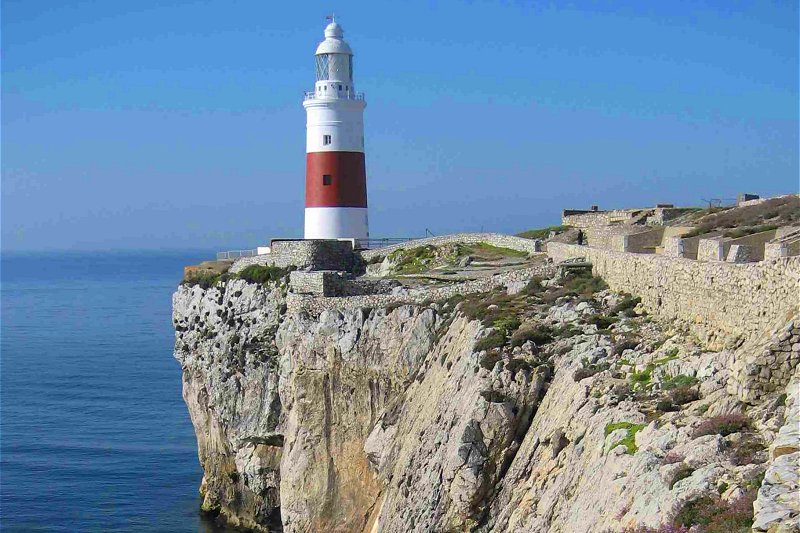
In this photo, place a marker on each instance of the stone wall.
(610, 237)
(764, 367)
(317, 304)
(643, 242)
(711, 249)
(331, 283)
(724, 303)
(521, 244)
(304, 254)
(597, 219)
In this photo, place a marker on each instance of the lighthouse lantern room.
(336, 180)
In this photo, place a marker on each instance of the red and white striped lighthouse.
(336, 179)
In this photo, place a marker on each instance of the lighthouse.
(336, 178)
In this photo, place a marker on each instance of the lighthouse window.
(326, 139)
(326, 179)
(340, 86)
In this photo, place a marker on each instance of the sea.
(94, 434)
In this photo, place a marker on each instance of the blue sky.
(146, 124)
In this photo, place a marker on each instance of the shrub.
(626, 305)
(748, 451)
(204, 279)
(495, 339)
(490, 359)
(584, 284)
(679, 381)
(601, 321)
(683, 395)
(666, 406)
(262, 273)
(721, 425)
(506, 324)
(538, 336)
(642, 378)
(714, 515)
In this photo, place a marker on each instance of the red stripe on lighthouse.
(348, 179)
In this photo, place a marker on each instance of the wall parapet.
(530, 246)
(724, 303)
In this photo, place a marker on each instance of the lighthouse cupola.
(336, 182)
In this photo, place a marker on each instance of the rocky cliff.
(552, 405)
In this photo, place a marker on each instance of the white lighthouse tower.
(336, 179)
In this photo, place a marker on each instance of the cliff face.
(530, 411)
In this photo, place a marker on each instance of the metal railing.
(236, 254)
(311, 95)
(370, 244)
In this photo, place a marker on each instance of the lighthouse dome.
(334, 42)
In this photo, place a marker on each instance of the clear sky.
(154, 124)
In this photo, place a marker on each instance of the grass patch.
(629, 441)
(488, 252)
(542, 233)
(262, 274)
(413, 260)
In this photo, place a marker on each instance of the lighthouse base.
(336, 223)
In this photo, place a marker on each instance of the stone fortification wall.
(643, 242)
(304, 254)
(521, 244)
(317, 304)
(724, 303)
(609, 237)
(332, 283)
(598, 219)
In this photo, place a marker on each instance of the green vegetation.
(642, 378)
(413, 260)
(542, 233)
(629, 441)
(679, 381)
(205, 279)
(262, 273)
(487, 252)
(742, 232)
(495, 339)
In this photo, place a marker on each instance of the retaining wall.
(304, 254)
(724, 303)
(317, 304)
(521, 244)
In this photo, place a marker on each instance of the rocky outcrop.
(543, 408)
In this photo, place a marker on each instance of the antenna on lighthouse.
(331, 17)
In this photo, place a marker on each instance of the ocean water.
(94, 434)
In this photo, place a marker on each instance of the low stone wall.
(521, 244)
(304, 254)
(317, 304)
(330, 283)
(724, 303)
(610, 237)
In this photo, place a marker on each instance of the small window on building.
(340, 86)
(325, 87)
(326, 140)
(326, 179)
